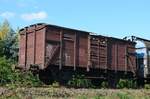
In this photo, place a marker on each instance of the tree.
(4, 30)
(8, 42)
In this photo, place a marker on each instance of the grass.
(71, 93)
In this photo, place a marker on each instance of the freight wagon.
(142, 57)
(60, 52)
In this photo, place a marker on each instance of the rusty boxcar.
(59, 48)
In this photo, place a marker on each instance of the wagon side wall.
(74, 46)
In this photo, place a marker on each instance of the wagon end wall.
(32, 46)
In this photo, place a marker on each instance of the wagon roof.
(86, 32)
(116, 39)
(51, 25)
(128, 41)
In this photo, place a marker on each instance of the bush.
(6, 72)
(9, 77)
(55, 84)
(104, 84)
(147, 86)
(26, 79)
(125, 83)
(23, 79)
(80, 81)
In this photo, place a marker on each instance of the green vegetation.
(6, 72)
(8, 42)
(80, 81)
(104, 84)
(8, 60)
(126, 83)
(71, 93)
(14, 78)
(124, 96)
(147, 86)
(55, 84)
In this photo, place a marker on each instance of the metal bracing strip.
(25, 48)
(126, 61)
(116, 55)
(147, 59)
(137, 63)
(45, 40)
(131, 65)
(89, 53)
(106, 55)
(61, 50)
(34, 44)
(99, 53)
(75, 50)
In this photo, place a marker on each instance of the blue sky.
(117, 18)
